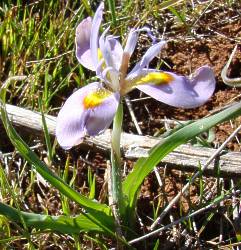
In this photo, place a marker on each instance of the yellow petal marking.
(96, 98)
(99, 54)
(155, 78)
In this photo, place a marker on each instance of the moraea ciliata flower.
(91, 109)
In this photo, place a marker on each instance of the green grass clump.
(38, 41)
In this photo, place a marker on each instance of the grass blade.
(87, 7)
(111, 4)
(46, 133)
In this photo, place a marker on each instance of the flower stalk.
(116, 185)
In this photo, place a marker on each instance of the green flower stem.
(116, 185)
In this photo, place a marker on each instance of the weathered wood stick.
(185, 157)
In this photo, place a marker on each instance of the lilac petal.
(70, 127)
(149, 33)
(99, 69)
(82, 40)
(178, 91)
(152, 52)
(116, 51)
(133, 37)
(111, 50)
(100, 118)
(131, 42)
(74, 120)
(94, 38)
(105, 49)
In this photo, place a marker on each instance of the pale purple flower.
(91, 109)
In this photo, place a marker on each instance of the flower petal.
(111, 50)
(179, 91)
(100, 117)
(152, 52)
(82, 40)
(89, 104)
(70, 126)
(94, 38)
(110, 77)
(116, 51)
(131, 42)
(105, 49)
(133, 37)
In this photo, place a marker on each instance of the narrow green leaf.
(64, 199)
(201, 183)
(145, 165)
(156, 247)
(62, 224)
(92, 189)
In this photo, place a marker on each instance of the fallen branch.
(185, 157)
